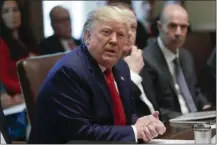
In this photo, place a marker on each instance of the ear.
(52, 25)
(87, 36)
(159, 25)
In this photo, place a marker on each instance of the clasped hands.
(149, 127)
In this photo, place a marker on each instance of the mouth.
(110, 52)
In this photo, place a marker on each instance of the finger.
(133, 50)
(153, 130)
(156, 114)
(144, 137)
(148, 133)
(160, 129)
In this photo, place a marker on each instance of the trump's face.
(105, 41)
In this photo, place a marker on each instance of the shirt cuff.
(135, 132)
(135, 77)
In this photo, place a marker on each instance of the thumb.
(134, 49)
(156, 114)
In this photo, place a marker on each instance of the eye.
(106, 32)
(5, 11)
(133, 27)
(184, 27)
(121, 35)
(15, 9)
(172, 25)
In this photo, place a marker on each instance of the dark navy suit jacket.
(74, 102)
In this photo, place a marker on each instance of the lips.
(111, 52)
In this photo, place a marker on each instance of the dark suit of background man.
(172, 68)
(87, 96)
(143, 92)
(62, 39)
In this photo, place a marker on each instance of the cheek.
(7, 20)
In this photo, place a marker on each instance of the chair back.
(32, 72)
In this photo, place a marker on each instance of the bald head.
(61, 22)
(173, 26)
(57, 11)
(173, 10)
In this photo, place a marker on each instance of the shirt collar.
(102, 68)
(169, 56)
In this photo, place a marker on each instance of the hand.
(9, 101)
(205, 107)
(31, 55)
(149, 127)
(135, 60)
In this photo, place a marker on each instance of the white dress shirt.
(2, 139)
(133, 126)
(65, 45)
(170, 56)
(138, 81)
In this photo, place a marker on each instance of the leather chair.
(32, 73)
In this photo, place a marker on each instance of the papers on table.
(171, 141)
(195, 117)
(14, 109)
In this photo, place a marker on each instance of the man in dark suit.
(87, 95)
(172, 68)
(62, 39)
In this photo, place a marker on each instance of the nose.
(113, 38)
(178, 30)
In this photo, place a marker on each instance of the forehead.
(60, 13)
(9, 3)
(178, 17)
(111, 24)
(132, 20)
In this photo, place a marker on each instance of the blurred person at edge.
(17, 43)
(142, 87)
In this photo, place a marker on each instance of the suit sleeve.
(71, 105)
(12, 84)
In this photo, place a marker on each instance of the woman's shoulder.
(3, 45)
(2, 42)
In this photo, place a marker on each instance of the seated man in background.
(87, 95)
(62, 39)
(142, 88)
(172, 67)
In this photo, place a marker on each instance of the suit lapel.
(96, 71)
(162, 64)
(121, 84)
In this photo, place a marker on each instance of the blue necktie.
(183, 86)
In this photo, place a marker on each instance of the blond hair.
(103, 14)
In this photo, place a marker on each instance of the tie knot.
(107, 72)
(176, 61)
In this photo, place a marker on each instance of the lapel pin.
(122, 78)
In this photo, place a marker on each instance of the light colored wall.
(202, 14)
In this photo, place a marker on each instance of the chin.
(109, 63)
